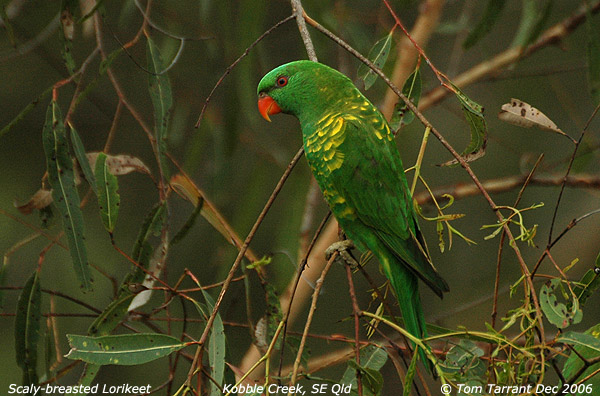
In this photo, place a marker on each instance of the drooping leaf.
(216, 348)
(27, 328)
(574, 364)
(162, 100)
(64, 193)
(593, 58)
(107, 187)
(490, 17)
(534, 16)
(556, 312)
(82, 160)
(412, 90)
(378, 56)
(123, 350)
(522, 114)
(474, 115)
(589, 283)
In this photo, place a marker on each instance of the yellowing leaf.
(523, 114)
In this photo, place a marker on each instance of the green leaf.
(216, 348)
(372, 359)
(589, 340)
(463, 361)
(593, 58)
(490, 17)
(107, 186)
(574, 363)
(410, 374)
(27, 328)
(378, 56)
(588, 284)
(557, 312)
(162, 100)
(474, 115)
(64, 193)
(534, 16)
(412, 90)
(82, 159)
(123, 350)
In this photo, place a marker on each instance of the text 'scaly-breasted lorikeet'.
(353, 156)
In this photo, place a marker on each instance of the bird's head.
(300, 88)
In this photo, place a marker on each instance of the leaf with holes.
(523, 114)
(556, 312)
(64, 193)
(378, 56)
(122, 350)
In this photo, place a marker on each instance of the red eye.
(282, 81)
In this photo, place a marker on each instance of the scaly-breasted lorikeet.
(354, 158)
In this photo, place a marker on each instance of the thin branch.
(463, 190)
(230, 67)
(299, 15)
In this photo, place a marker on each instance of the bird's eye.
(282, 81)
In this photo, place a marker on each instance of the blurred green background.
(236, 158)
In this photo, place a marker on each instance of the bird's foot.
(342, 248)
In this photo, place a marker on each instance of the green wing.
(373, 183)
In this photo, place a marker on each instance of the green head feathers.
(304, 89)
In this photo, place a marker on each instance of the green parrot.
(354, 158)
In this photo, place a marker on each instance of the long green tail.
(406, 286)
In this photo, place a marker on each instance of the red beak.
(267, 106)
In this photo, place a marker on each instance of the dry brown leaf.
(39, 200)
(121, 164)
(522, 114)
